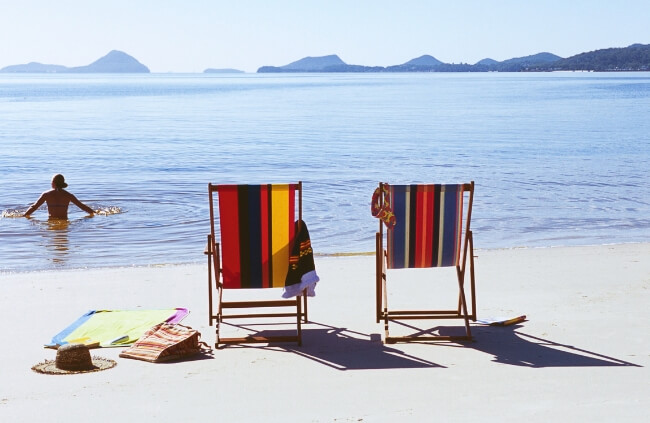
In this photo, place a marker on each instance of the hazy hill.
(425, 63)
(635, 58)
(114, 62)
(532, 62)
(533, 59)
(487, 62)
(632, 58)
(425, 60)
(308, 64)
(34, 67)
(315, 63)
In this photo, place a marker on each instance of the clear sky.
(192, 35)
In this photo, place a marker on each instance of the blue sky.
(192, 35)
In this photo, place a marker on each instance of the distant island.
(114, 62)
(210, 70)
(633, 58)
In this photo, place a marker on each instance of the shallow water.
(558, 158)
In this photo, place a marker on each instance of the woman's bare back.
(58, 201)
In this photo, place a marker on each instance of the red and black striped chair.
(257, 228)
(424, 229)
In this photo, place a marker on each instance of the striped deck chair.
(257, 228)
(424, 230)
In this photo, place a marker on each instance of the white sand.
(583, 355)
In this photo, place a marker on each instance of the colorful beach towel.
(114, 328)
(302, 271)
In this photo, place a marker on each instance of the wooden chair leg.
(471, 275)
(218, 317)
(464, 303)
(384, 305)
(208, 254)
(378, 275)
(299, 320)
(304, 299)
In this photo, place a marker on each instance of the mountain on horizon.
(34, 67)
(114, 62)
(486, 62)
(329, 63)
(525, 63)
(425, 60)
(424, 63)
(534, 59)
(315, 63)
(635, 57)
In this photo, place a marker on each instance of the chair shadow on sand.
(509, 345)
(344, 349)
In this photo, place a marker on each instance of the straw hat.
(71, 359)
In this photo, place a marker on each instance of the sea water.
(557, 158)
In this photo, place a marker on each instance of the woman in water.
(57, 200)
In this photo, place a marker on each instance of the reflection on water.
(57, 242)
(38, 242)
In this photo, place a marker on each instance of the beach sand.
(582, 355)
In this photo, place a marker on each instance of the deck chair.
(256, 232)
(424, 229)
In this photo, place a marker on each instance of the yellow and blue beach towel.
(114, 328)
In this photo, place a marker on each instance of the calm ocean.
(558, 158)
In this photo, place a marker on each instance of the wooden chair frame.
(214, 262)
(461, 312)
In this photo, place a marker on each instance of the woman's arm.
(81, 205)
(35, 206)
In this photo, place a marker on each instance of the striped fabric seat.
(257, 230)
(260, 230)
(428, 227)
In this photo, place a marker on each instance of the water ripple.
(557, 159)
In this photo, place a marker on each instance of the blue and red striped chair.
(424, 229)
(257, 228)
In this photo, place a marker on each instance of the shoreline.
(581, 355)
(316, 256)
